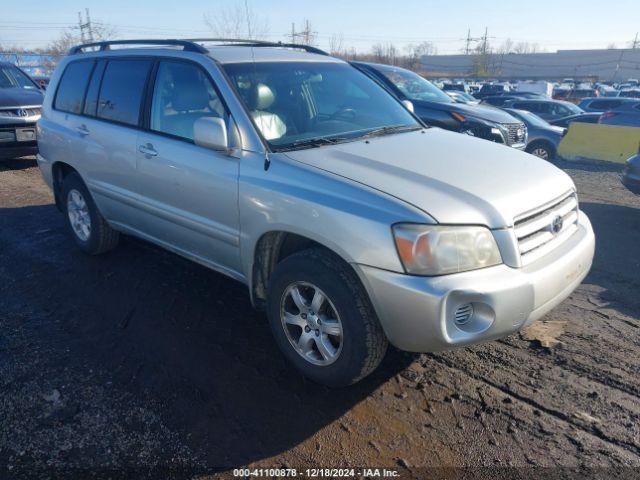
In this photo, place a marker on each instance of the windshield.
(413, 86)
(573, 108)
(294, 103)
(528, 117)
(12, 77)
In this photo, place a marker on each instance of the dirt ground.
(141, 363)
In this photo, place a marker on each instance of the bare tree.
(506, 47)
(336, 46)
(70, 37)
(526, 47)
(237, 21)
(385, 53)
(415, 52)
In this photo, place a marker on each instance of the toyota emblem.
(556, 225)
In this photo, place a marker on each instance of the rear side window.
(122, 90)
(73, 84)
(605, 104)
(91, 99)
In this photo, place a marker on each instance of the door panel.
(190, 198)
(189, 193)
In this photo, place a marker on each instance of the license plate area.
(25, 134)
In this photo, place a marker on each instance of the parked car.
(546, 109)
(296, 174)
(20, 104)
(462, 97)
(630, 93)
(500, 100)
(578, 94)
(544, 138)
(455, 87)
(602, 104)
(588, 117)
(626, 115)
(492, 89)
(631, 174)
(436, 108)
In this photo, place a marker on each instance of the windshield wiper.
(378, 132)
(311, 143)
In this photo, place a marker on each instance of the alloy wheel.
(311, 323)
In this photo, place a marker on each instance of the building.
(614, 65)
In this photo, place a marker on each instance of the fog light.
(463, 314)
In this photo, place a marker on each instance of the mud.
(140, 361)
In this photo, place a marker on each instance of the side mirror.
(408, 104)
(211, 132)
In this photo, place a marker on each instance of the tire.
(362, 343)
(542, 150)
(99, 237)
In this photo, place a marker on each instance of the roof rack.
(187, 45)
(193, 44)
(258, 43)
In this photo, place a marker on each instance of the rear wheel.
(89, 229)
(322, 319)
(542, 150)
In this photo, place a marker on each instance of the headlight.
(439, 250)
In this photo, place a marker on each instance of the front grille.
(20, 112)
(543, 229)
(516, 133)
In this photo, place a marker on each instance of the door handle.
(147, 150)
(83, 130)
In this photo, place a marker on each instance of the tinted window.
(122, 90)
(182, 94)
(413, 86)
(605, 104)
(72, 86)
(12, 77)
(91, 99)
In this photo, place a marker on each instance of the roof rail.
(192, 44)
(258, 43)
(187, 45)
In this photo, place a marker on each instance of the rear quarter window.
(72, 86)
(122, 90)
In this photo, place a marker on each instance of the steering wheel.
(346, 113)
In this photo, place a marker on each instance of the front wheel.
(541, 150)
(322, 319)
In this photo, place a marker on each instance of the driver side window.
(182, 94)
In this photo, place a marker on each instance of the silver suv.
(291, 171)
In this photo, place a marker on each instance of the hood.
(454, 178)
(20, 97)
(482, 112)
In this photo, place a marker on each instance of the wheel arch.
(270, 249)
(59, 171)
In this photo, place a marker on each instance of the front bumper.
(632, 182)
(418, 313)
(13, 151)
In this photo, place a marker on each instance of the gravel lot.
(142, 363)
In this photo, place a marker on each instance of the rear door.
(190, 193)
(109, 127)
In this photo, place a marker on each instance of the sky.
(554, 25)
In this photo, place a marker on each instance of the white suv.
(293, 172)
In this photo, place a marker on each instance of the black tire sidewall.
(74, 182)
(538, 145)
(343, 293)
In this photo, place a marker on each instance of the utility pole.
(636, 42)
(306, 36)
(484, 41)
(466, 49)
(85, 26)
(293, 32)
